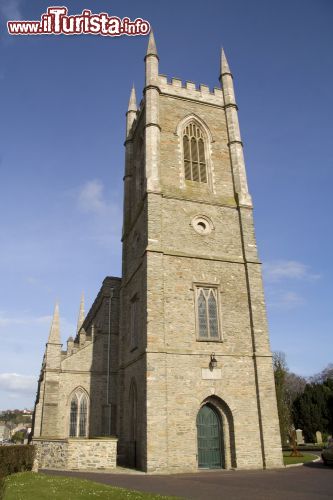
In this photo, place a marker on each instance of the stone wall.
(51, 454)
(92, 453)
(81, 454)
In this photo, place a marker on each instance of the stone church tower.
(172, 365)
(196, 385)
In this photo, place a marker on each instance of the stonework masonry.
(76, 454)
(142, 356)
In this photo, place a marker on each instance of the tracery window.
(83, 417)
(78, 419)
(195, 165)
(73, 417)
(207, 310)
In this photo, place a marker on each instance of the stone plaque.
(319, 437)
(208, 374)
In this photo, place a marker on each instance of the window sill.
(216, 341)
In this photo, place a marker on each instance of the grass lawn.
(32, 486)
(288, 460)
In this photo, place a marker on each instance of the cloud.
(289, 300)
(17, 384)
(91, 197)
(11, 9)
(35, 325)
(287, 269)
(284, 300)
(38, 284)
(23, 320)
(32, 280)
(105, 228)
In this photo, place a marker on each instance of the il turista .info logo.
(57, 21)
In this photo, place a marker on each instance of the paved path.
(312, 481)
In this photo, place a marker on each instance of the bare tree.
(325, 374)
(280, 373)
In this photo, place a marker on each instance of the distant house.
(27, 412)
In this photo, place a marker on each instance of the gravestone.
(319, 437)
(299, 436)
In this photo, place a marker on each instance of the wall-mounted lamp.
(213, 362)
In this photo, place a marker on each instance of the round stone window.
(202, 224)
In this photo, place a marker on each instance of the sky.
(62, 123)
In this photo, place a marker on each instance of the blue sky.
(62, 123)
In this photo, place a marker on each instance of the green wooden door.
(210, 440)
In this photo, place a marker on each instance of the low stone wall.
(79, 454)
(92, 453)
(51, 454)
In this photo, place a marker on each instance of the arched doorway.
(210, 439)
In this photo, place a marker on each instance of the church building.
(171, 369)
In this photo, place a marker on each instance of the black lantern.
(213, 362)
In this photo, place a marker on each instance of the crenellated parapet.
(189, 90)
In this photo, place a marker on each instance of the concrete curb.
(302, 463)
(117, 470)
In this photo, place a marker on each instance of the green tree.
(15, 417)
(18, 437)
(313, 410)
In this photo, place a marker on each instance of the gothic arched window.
(73, 417)
(78, 418)
(207, 313)
(195, 164)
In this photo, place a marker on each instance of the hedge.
(2, 487)
(16, 458)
